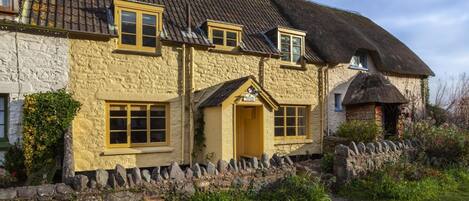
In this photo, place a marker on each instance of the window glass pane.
(291, 131)
(355, 61)
(129, 17)
(296, 58)
(138, 123)
(301, 111)
(138, 137)
(149, 41)
(2, 118)
(231, 43)
(138, 111)
(231, 35)
(218, 41)
(118, 110)
(149, 30)
(301, 131)
(280, 111)
(129, 39)
(2, 131)
(291, 121)
(158, 123)
(296, 41)
(129, 28)
(157, 111)
(279, 121)
(291, 111)
(5, 4)
(118, 124)
(217, 33)
(301, 121)
(2, 103)
(149, 20)
(158, 136)
(279, 131)
(338, 101)
(118, 137)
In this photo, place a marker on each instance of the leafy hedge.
(360, 131)
(46, 118)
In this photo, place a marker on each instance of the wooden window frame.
(10, 9)
(225, 27)
(302, 51)
(139, 9)
(5, 117)
(129, 144)
(285, 116)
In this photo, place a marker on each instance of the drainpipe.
(183, 97)
(323, 103)
(192, 104)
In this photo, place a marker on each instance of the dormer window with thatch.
(359, 60)
(138, 25)
(224, 35)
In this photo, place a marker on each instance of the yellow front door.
(249, 126)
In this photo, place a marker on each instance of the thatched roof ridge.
(337, 34)
(372, 88)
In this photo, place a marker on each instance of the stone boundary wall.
(359, 159)
(136, 184)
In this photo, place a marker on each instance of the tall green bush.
(443, 145)
(360, 131)
(14, 162)
(46, 118)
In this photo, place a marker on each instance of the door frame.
(261, 113)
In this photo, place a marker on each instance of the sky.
(436, 30)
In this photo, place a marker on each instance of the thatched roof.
(337, 34)
(372, 88)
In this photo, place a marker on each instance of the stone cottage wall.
(358, 160)
(155, 184)
(30, 63)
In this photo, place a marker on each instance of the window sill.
(8, 12)
(292, 66)
(137, 52)
(358, 68)
(286, 141)
(139, 150)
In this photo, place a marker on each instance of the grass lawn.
(461, 194)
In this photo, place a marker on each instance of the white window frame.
(291, 33)
(362, 65)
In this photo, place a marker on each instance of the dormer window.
(138, 25)
(223, 35)
(359, 60)
(290, 43)
(6, 5)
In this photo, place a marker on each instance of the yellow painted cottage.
(199, 80)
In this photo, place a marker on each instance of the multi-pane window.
(290, 121)
(138, 26)
(359, 60)
(6, 5)
(291, 48)
(3, 116)
(139, 124)
(224, 37)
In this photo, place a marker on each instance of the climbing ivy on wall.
(46, 118)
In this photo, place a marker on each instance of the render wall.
(100, 74)
(30, 63)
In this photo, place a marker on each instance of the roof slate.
(93, 16)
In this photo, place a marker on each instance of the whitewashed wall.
(29, 63)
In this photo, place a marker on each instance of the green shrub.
(295, 188)
(46, 118)
(14, 162)
(327, 162)
(360, 131)
(288, 189)
(443, 146)
(7, 181)
(439, 114)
